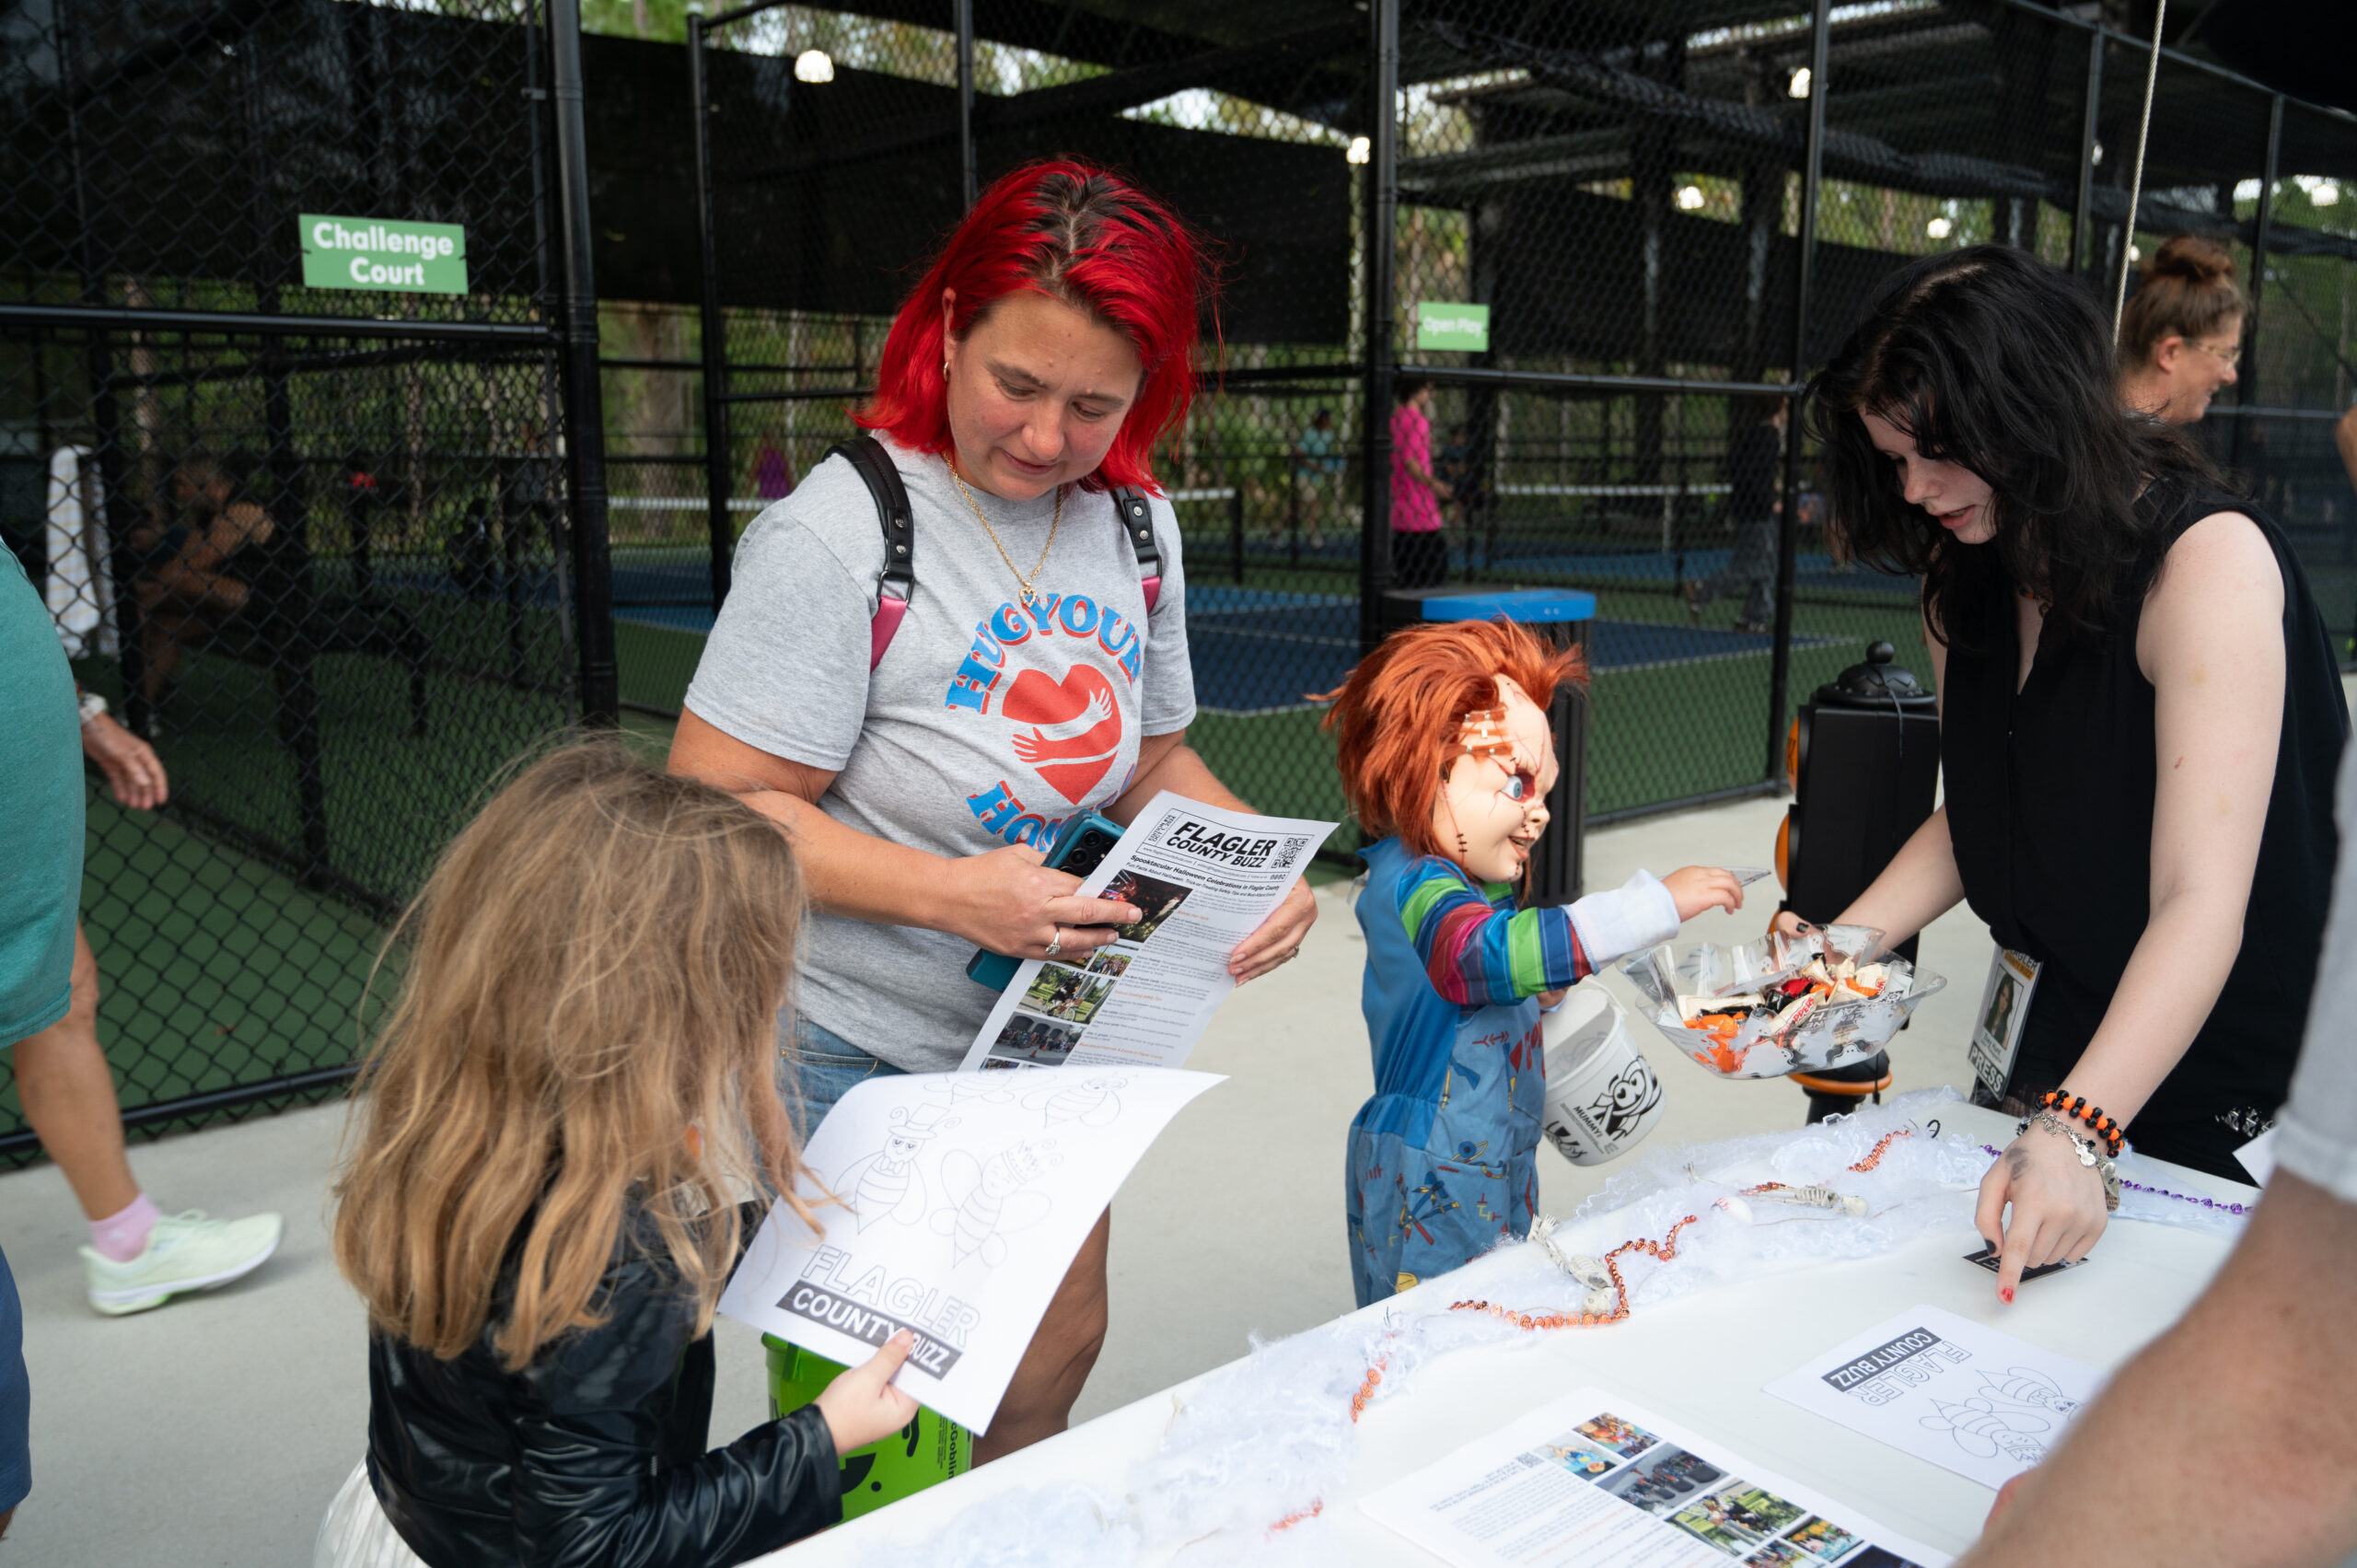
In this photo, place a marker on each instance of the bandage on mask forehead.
(1492, 800)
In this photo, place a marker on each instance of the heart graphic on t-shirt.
(1074, 727)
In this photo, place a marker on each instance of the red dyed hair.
(1400, 711)
(1077, 233)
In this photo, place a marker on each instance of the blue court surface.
(1258, 652)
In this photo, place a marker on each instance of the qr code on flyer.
(1290, 851)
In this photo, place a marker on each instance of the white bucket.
(1602, 1096)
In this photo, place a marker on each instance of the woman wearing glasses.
(2182, 334)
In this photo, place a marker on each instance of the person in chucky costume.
(1445, 750)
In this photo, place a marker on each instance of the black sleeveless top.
(2049, 804)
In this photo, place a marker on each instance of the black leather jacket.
(593, 1455)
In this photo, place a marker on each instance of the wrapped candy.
(1792, 1004)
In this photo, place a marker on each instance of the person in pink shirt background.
(1419, 554)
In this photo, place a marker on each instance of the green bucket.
(929, 1450)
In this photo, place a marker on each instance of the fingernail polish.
(2005, 1294)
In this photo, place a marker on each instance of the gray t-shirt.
(2316, 1137)
(988, 722)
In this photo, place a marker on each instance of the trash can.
(1864, 758)
(1561, 616)
(928, 1451)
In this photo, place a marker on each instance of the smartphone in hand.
(1085, 839)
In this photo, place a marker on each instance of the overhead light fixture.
(1361, 150)
(1939, 228)
(1799, 87)
(1690, 197)
(814, 65)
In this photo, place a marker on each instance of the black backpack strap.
(1138, 523)
(895, 584)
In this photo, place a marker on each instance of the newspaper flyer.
(958, 1202)
(1967, 1396)
(1594, 1481)
(1206, 880)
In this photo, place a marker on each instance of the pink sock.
(121, 1238)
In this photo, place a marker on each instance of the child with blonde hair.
(568, 1100)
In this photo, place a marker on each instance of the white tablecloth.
(1677, 1360)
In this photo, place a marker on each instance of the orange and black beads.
(2077, 1108)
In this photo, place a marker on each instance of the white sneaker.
(184, 1252)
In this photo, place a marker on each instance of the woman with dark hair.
(1036, 671)
(2139, 723)
(2182, 331)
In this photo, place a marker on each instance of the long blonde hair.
(585, 1026)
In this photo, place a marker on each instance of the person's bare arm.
(1004, 901)
(2211, 644)
(2231, 1440)
(2344, 435)
(1166, 762)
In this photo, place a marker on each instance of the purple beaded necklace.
(2160, 1191)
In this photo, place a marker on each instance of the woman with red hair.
(923, 746)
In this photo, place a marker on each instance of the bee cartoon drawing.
(1093, 1102)
(1981, 1430)
(988, 1200)
(887, 1182)
(2027, 1386)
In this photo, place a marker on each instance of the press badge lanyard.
(2004, 1009)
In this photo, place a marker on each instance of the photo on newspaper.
(1594, 1481)
(1202, 879)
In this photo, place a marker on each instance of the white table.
(2139, 1281)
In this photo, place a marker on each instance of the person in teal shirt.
(137, 1256)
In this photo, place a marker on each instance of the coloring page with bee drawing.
(1946, 1388)
(952, 1204)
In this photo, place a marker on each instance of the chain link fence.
(1664, 217)
(281, 428)
(1636, 204)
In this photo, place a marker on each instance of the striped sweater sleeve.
(1477, 955)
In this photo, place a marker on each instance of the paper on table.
(2257, 1156)
(1946, 1388)
(963, 1201)
(1206, 880)
(1594, 1481)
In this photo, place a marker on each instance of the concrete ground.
(215, 1430)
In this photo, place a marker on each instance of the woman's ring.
(1056, 943)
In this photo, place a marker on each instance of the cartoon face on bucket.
(1057, 676)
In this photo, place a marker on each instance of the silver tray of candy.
(1790, 1003)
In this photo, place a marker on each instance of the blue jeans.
(817, 1068)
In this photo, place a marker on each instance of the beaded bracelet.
(2077, 1106)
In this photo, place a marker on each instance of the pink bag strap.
(1137, 521)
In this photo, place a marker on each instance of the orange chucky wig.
(1400, 711)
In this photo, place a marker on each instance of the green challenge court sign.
(1442, 324)
(383, 255)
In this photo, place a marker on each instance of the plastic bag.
(1791, 1003)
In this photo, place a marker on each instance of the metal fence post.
(1382, 210)
(2081, 242)
(719, 469)
(972, 186)
(2263, 225)
(585, 407)
(1788, 527)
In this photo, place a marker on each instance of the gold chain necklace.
(1037, 566)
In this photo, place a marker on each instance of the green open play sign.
(383, 255)
(1440, 324)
